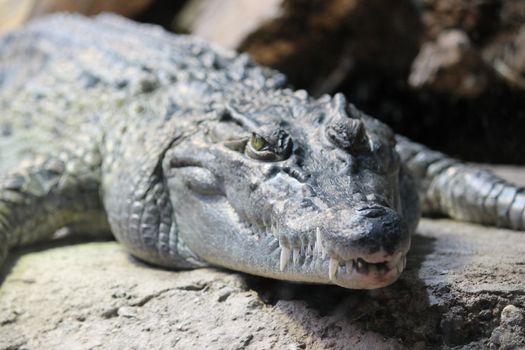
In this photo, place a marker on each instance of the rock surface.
(464, 286)
(450, 65)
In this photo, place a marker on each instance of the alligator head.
(293, 188)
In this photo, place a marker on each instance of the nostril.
(372, 211)
(368, 230)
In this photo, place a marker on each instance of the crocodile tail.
(461, 191)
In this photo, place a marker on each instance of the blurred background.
(447, 73)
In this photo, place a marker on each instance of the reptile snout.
(370, 232)
(365, 246)
(360, 246)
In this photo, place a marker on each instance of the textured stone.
(450, 65)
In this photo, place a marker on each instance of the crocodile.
(192, 155)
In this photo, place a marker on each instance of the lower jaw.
(317, 272)
(349, 281)
(371, 280)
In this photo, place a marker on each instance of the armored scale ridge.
(192, 155)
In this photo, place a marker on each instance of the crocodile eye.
(274, 147)
(257, 142)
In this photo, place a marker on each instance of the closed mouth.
(360, 272)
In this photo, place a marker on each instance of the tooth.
(399, 266)
(309, 250)
(332, 268)
(349, 266)
(362, 266)
(295, 255)
(318, 247)
(285, 256)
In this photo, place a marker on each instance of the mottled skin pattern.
(192, 155)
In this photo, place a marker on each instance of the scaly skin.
(192, 156)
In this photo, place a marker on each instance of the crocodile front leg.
(48, 193)
(461, 191)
